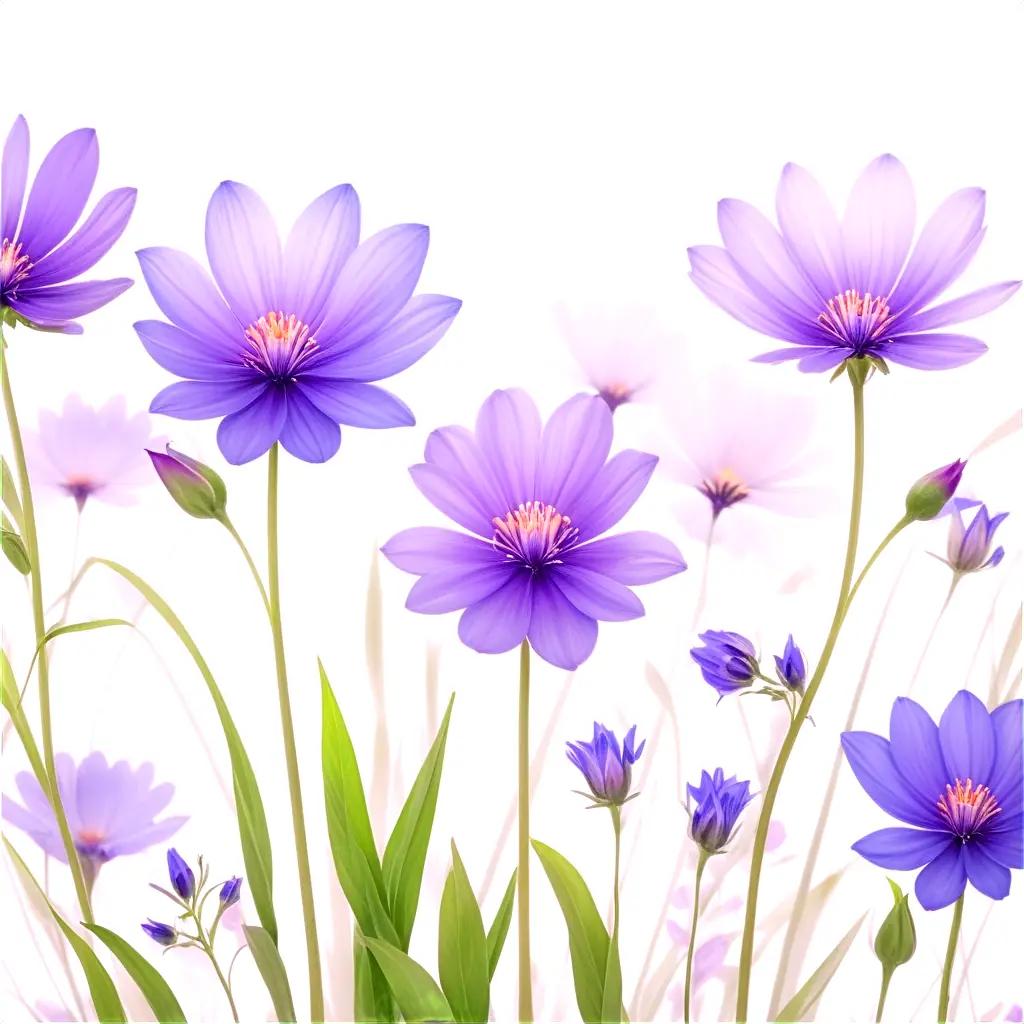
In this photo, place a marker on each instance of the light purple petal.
(915, 748)
(308, 433)
(202, 400)
(13, 175)
(560, 633)
(356, 404)
(97, 790)
(956, 311)
(248, 433)
(612, 492)
(158, 832)
(1006, 774)
(499, 622)
(934, 351)
(902, 849)
(425, 549)
(598, 597)
(785, 355)
(573, 449)
(943, 881)
(984, 873)
(186, 355)
(968, 739)
(458, 586)
(59, 192)
(1006, 848)
(244, 252)
(821, 360)
(631, 558)
(508, 432)
(453, 497)
(62, 302)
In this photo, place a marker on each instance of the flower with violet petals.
(110, 809)
(39, 255)
(728, 661)
(927, 498)
(607, 768)
(970, 549)
(960, 784)
(837, 290)
(165, 934)
(230, 892)
(183, 881)
(285, 345)
(535, 499)
(790, 667)
(719, 801)
(91, 453)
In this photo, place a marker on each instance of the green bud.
(14, 548)
(927, 497)
(896, 939)
(196, 488)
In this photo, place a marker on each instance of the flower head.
(790, 667)
(183, 881)
(230, 892)
(165, 934)
(110, 809)
(535, 499)
(196, 488)
(845, 290)
(728, 661)
(960, 784)
(285, 345)
(88, 453)
(38, 252)
(929, 495)
(719, 801)
(607, 768)
(970, 549)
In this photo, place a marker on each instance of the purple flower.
(287, 346)
(840, 290)
(961, 785)
(790, 667)
(719, 802)
(969, 550)
(38, 258)
(88, 453)
(183, 881)
(727, 661)
(162, 933)
(607, 768)
(927, 498)
(110, 809)
(537, 498)
(230, 892)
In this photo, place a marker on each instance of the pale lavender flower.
(969, 549)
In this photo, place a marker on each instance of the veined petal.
(984, 873)
(933, 351)
(454, 497)
(454, 451)
(202, 400)
(967, 307)
(1006, 848)
(425, 549)
(915, 748)
(508, 432)
(902, 849)
(358, 405)
(820, 360)
(573, 448)
(61, 302)
(308, 433)
(631, 558)
(559, 632)
(457, 586)
(13, 175)
(967, 738)
(598, 597)
(943, 881)
(186, 355)
(610, 494)
(499, 622)
(248, 433)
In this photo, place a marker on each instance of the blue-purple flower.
(837, 290)
(536, 499)
(183, 881)
(165, 934)
(728, 661)
(970, 549)
(960, 784)
(790, 666)
(111, 809)
(607, 767)
(718, 803)
(230, 892)
(39, 255)
(285, 345)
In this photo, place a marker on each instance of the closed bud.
(896, 940)
(159, 932)
(230, 892)
(14, 548)
(925, 500)
(183, 880)
(196, 488)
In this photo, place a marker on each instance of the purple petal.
(968, 739)
(872, 763)
(785, 355)
(934, 351)
(560, 633)
(308, 433)
(244, 252)
(90, 242)
(984, 873)
(943, 881)
(1006, 774)
(631, 558)
(878, 226)
(613, 492)
(822, 359)
(456, 499)
(598, 597)
(202, 400)
(915, 749)
(323, 238)
(425, 549)
(247, 434)
(63, 302)
(508, 432)
(573, 449)
(902, 849)
(13, 175)
(59, 192)
(1006, 847)
(967, 307)
(499, 622)
(458, 586)
(358, 405)
(152, 835)
(186, 355)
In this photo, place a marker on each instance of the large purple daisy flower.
(536, 499)
(961, 784)
(285, 350)
(838, 290)
(37, 257)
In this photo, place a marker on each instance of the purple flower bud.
(970, 549)
(196, 488)
(790, 668)
(230, 892)
(719, 803)
(927, 497)
(607, 769)
(162, 933)
(182, 879)
(727, 661)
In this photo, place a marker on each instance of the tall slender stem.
(702, 859)
(223, 983)
(702, 596)
(31, 540)
(523, 877)
(768, 803)
(883, 992)
(617, 827)
(316, 993)
(947, 967)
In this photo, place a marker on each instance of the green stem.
(617, 827)
(31, 540)
(223, 982)
(230, 527)
(947, 967)
(702, 859)
(886, 978)
(316, 994)
(768, 803)
(523, 876)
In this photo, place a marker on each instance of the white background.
(561, 153)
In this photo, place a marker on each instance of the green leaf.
(9, 493)
(462, 959)
(101, 987)
(268, 960)
(801, 1005)
(14, 547)
(152, 985)
(252, 820)
(406, 850)
(588, 937)
(372, 997)
(12, 702)
(415, 991)
(499, 926)
(611, 998)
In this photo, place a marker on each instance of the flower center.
(89, 841)
(725, 488)
(14, 266)
(615, 395)
(856, 320)
(80, 488)
(967, 807)
(534, 534)
(278, 346)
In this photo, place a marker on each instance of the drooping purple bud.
(728, 661)
(790, 667)
(182, 880)
(230, 892)
(925, 500)
(607, 768)
(719, 803)
(196, 488)
(162, 933)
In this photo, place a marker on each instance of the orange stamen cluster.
(967, 807)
